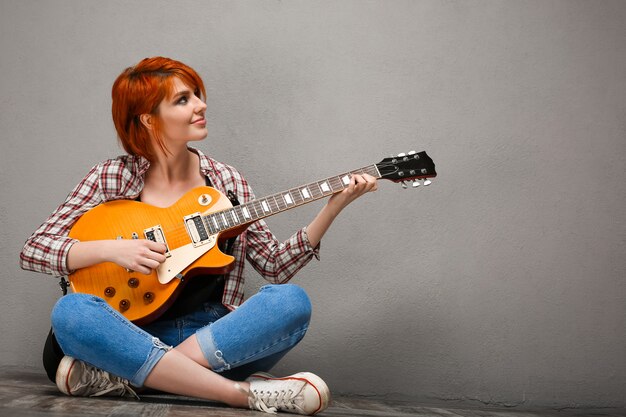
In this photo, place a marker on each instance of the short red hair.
(139, 90)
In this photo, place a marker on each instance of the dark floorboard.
(27, 393)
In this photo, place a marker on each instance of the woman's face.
(182, 115)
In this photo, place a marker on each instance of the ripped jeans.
(254, 337)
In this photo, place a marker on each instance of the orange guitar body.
(142, 298)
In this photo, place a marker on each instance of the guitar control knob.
(148, 297)
(133, 283)
(109, 292)
(124, 305)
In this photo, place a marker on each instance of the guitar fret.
(218, 220)
(273, 203)
(230, 220)
(317, 192)
(280, 202)
(207, 225)
(255, 206)
(297, 196)
(235, 215)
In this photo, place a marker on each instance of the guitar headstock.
(413, 166)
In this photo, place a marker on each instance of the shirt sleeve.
(278, 261)
(47, 248)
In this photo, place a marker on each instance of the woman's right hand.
(139, 255)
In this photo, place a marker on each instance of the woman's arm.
(48, 249)
(359, 185)
(139, 255)
(279, 261)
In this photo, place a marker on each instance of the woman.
(208, 347)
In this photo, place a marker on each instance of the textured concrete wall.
(502, 283)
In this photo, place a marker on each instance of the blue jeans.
(254, 337)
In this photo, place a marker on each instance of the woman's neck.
(169, 178)
(178, 166)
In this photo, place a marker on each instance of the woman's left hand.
(359, 185)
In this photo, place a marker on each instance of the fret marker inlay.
(324, 186)
(305, 193)
(265, 206)
(346, 180)
(288, 199)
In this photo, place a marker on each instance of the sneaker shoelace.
(271, 401)
(104, 383)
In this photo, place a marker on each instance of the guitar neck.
(252, 211)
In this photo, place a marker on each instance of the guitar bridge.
(155, 234)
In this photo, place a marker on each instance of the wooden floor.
(29, 394)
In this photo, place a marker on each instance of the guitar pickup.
(155, 234)
(196, 229)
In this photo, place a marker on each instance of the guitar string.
(179, 231)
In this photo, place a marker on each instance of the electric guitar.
(191, 230)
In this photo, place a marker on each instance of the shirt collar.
(140, 164)
(205, 164)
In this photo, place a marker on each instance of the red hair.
(139, 90)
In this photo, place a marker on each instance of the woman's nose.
(199, 105)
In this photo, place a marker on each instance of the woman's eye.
(182, 100)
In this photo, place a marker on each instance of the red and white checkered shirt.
(123, 178)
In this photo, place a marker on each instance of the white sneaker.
(301, 393)
(79, 379)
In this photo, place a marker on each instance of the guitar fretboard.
(257, 209)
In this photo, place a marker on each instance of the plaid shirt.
(123, 178)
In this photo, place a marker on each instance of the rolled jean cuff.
(213, 355)
(156, 353)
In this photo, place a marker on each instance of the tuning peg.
(412, 152)
(403, 183)
(400, 155)
(416, 183)
(427, 182)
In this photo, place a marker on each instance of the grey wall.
(502, 283)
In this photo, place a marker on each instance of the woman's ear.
(146, 120)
